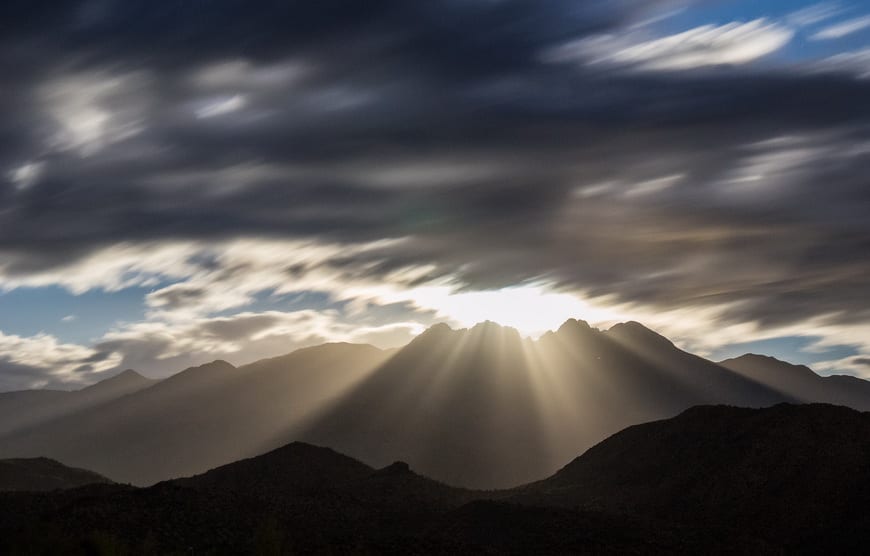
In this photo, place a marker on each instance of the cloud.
(814, 14)
(26, 175)
(221, 106)
(229, 275)
(365, 150)
(842, 29)
(42, 361)
(110, 268)
(708, 45)
(242, 75)
(94, 109)
(856, 63)
(855, 366)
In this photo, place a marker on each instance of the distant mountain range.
(477, 408)
(713, 480)
(27, 408)
(43, 474)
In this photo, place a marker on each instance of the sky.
(201, 179)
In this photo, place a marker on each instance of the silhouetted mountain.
(27, 408)
(289, 470)
(480, 407)
(302, 499)
(498, 527)
(713, 480)
(635, 334)
(801, 383)
(296, 470)
(296, 499)
(41, 474)
(788, 475)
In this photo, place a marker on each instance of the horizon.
(396, 348)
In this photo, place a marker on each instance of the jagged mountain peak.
(219, 363)
(634, 332)
(573, 325)
(492, 326)
(436, 332)
(129, 373)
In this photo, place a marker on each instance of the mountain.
(793, 476)
(297, 470)
(801, 383)
(480, 407)
(787, 479)
(303, 499)
(27, 408)
(286, 471)
(295, 499)
(43, 474)
(124, 383)
(199, 418)
(453, 402)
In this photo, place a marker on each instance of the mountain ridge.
(450, 403)
(775, 472)
(27, 408)
(43, 474)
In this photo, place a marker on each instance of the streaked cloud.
(708, 45)
(405, 158)
(221, 106)
(855, 63)
(814, 14)
(842, 29)
(26, 175)
(42, 361)
(94, 109)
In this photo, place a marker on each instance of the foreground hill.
(302, 499)
(714, 480)
(789, 475)
(299, 497)
(43, 474)
(477, 408)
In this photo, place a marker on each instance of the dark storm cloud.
(341, 120)
(453, 34)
